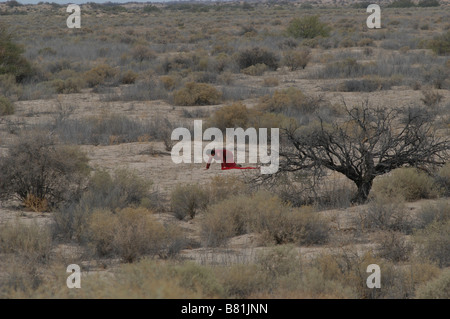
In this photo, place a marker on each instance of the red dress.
(227, 160)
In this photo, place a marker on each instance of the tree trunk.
(364, 188)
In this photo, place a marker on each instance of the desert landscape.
(87, 177)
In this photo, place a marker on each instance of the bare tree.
(367, 143)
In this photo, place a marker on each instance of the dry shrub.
(230, 116)
(386, 214)
(27, 239)
(270, 82)
(99, 74)
(128, 77)
(130, 234)
(438, 211)
(223, 187)
(431, 98)
(433, 242)
(410, 183)
(36, 165)
(393, 246)
(36, 204)
(187, 200)
(169, 82)
(125, 188)
(142, 53)
(254, 56)
(69, 85)
(438, 288)
(263, 213)
(255, 70)
(197, 94)
(284, 101)
(296, 59)
(442, 179)
(241, 281)
(6, 106)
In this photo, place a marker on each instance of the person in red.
(226, 158)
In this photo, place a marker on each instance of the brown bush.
(230, 116)
(296, 59)
(187, 200)
(197, 94)
(410, 183)
(37, 166)
(130, 234)
(6, 106)
(254, 56)
(99, 74)
(128, 77)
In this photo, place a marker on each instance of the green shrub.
(428, 3)
(187, 200)
(296, 59)
(410, 183)
(254, 56)
(6, 106)
(197, 94)
(438, 288)
(307, 27)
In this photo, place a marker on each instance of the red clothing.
(223, 155)
(227, 160)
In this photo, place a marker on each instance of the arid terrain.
(86, 117)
